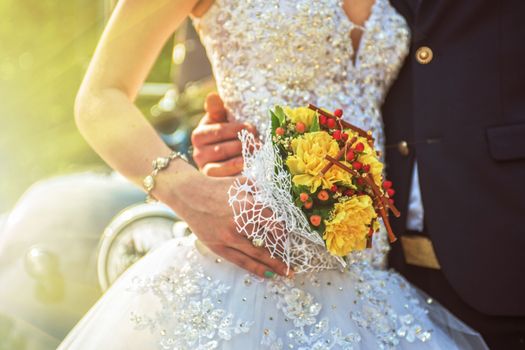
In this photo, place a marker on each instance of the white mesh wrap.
(283, 229)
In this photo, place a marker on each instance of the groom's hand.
(217, 150)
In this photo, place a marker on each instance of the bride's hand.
(210, 217)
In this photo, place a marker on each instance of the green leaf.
(315, 125)
(275, 121)
(298, 202)
(323, 212)
(280, 115)
(299, 189)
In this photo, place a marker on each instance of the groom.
(455, 148)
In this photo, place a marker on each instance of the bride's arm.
(104, 109)
(119, 133)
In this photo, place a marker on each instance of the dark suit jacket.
(463, 115)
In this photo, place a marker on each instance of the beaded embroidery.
(290, 53)
(371, 312)
(189, 317)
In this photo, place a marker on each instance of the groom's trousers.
(499, 332)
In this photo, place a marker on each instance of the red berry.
(360, 181)
(279, 131)
(331, 123)
(366, 167)
(357, 165)
(391, 201)
(349, 193)
(308, 204)
(359, 147)
(338, 113)
(344, 136)
(337, 134)
(323, 195)
(390, 192)
(350, 155)
(315, 220)
(304, 197)
(300, 127)
(322, 120)
(387, 184)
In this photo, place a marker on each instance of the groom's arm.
(216, 146)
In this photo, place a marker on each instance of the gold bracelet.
(159, 164)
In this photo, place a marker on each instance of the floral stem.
(370, 182)
(381, 201)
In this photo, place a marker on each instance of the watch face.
(132, 234)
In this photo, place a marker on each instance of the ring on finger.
(258, 242)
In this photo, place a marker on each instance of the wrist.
(159, 164)
(179, 185)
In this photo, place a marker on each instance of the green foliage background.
(45, 47)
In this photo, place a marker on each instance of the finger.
(245, 262)
(274, 231)
(230, 167)
(263, 220)
(253, 216)
(265, 228)
(214, 133)
(214, 107)
(217, 152)
(261, 254)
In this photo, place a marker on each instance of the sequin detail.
(189, 316)
(188, 309)
(302, 310)
(372, 312)
(272, 52)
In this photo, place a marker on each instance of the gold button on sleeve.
(424, 55)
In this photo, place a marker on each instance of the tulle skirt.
(182, 296)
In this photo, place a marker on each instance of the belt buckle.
(419, 251)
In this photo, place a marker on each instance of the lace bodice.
(295, 52)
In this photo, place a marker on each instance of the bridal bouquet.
(316, 179)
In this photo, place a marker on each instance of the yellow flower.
(301, 114)
(308, 159)
(348, 228)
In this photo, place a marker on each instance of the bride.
(215, 289)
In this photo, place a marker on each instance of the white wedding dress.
(182, 296)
